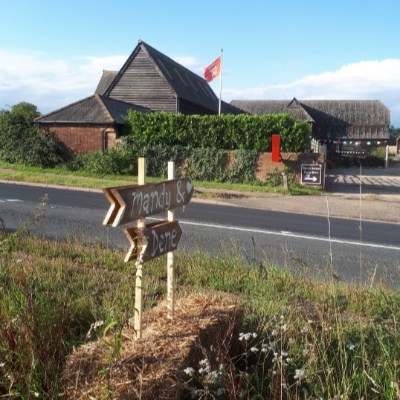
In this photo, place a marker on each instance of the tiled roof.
(95, 109)
(105, 81)
(360, 112)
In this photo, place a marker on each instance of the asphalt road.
(305, 244)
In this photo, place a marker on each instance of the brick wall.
(84, 139)
(265, 165)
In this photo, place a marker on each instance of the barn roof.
(355, 112)
(334, 118)
(95, 109)
(186, 84)
(105, 81)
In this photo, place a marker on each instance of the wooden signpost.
(154, 240)
(129, 203)
(136, 202)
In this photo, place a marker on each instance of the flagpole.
(220, 83)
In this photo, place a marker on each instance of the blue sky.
(53, 52)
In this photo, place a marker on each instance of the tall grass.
(308, 338)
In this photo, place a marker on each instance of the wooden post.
(170, 258)
(139, 263)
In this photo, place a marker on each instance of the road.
(303, 243)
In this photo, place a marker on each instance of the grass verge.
(62, 177)
(302, 338)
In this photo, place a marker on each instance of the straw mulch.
(153, 367)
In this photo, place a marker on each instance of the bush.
(227, 132)
(21, 142)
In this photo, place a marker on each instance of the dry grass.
(153, 367)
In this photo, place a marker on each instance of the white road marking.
(293, 235)
(10, 200)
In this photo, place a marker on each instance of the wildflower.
(304, 329)
(220, 391)
(264, 347)
(299, 373)
(254, 349)
(203, 362)
(189, 371)
(351, 346)
(247, 336)
(274, 332)
(2, 365)
(284, 327)
(213, 376)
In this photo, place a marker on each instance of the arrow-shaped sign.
(129, 203)
(314, 179)
(152, 241)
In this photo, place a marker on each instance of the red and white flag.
(213, 70)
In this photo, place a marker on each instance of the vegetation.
(302, 338)
(206, 148)
(20, 141)
(227, 132)
(65, 177)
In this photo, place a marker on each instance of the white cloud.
(51, 82)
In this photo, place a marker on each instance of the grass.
(62, 177)
(302, 337)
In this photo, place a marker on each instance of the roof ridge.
(104, 107)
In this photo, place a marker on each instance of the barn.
(149, 81)
(346, 127)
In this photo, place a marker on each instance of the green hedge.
(228, 132)
(205, 164)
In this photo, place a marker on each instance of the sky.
(53, 52)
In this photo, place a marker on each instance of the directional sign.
(153, 241)
(311, 174)
(129, 203)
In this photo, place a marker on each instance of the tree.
(21, 142)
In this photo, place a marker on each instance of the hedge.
(223, 132)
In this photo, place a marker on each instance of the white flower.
(213, 376)
(254, 349)
(284, 327)
(246, 336)
(351, 346)
(203, 362)
(299, 373)
(2, 365)
(189, 371)
(36, 394)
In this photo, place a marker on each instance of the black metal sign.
(311, 174)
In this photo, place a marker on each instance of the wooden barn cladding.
(330, 119)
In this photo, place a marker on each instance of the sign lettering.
(311, 174)
(129, 203)
(154, 240)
